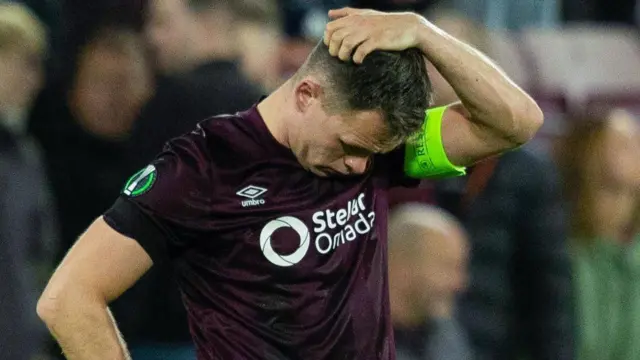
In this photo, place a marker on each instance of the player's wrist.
(429, 37)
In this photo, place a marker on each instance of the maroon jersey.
(273, 261)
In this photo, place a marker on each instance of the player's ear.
(307, 94)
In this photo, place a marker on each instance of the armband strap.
(424, 153)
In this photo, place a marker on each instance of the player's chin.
(321, 171)
(325, 171)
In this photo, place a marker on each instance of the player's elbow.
(49, 307)
(60, 299)
(53, 302)
(526, 118)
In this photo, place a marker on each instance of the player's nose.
(356, 164)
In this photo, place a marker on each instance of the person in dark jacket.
(82, 120)
(518, 302)
(519, 297)
(194, 44)
(28, 235)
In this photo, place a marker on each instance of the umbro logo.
(252, 192)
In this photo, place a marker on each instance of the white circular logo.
(273, 225)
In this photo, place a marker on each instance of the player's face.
(336, 144)
(344, 144)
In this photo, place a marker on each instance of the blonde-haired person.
(600, 158)
(27, 235)
(23, 46)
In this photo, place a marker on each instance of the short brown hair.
(393, 82)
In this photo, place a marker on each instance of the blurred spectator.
(195, 43)
(519, 300)
(307, 18)
(196, 47)
(259, 38)
(304, 25)
(24, 47)
(27, 234)
(50, 13)
(601, 167)
(185, 34)
(428, 253)
(83, 121)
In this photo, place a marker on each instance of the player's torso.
(294, 264)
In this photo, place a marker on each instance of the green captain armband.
(424, 153)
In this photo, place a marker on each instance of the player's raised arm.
(97, 269)
(494, 115)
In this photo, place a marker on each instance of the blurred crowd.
(534, 255)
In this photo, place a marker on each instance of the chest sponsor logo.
(331, 228)
(252, 193)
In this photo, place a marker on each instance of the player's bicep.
(465, 141)
(102, 263)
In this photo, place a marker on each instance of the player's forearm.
(84, 329)
(491, 98)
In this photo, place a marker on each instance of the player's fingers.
(363, 50)
(349, 43)
(331, 28)
(337, 24)
(336, 41)
(345, 11)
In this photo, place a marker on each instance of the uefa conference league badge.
(141, 182)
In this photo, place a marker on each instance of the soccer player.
(275, 218)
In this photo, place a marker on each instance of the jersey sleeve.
(165, 205)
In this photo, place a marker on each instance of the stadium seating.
(585, 65)
(573, 70)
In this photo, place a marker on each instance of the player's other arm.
(98, 268)
(494, 114)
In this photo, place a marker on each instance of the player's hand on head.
(355, 33)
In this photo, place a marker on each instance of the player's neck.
(274, 114)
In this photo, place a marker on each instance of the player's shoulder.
(231, 131)
(222, 126)
(225, 138)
